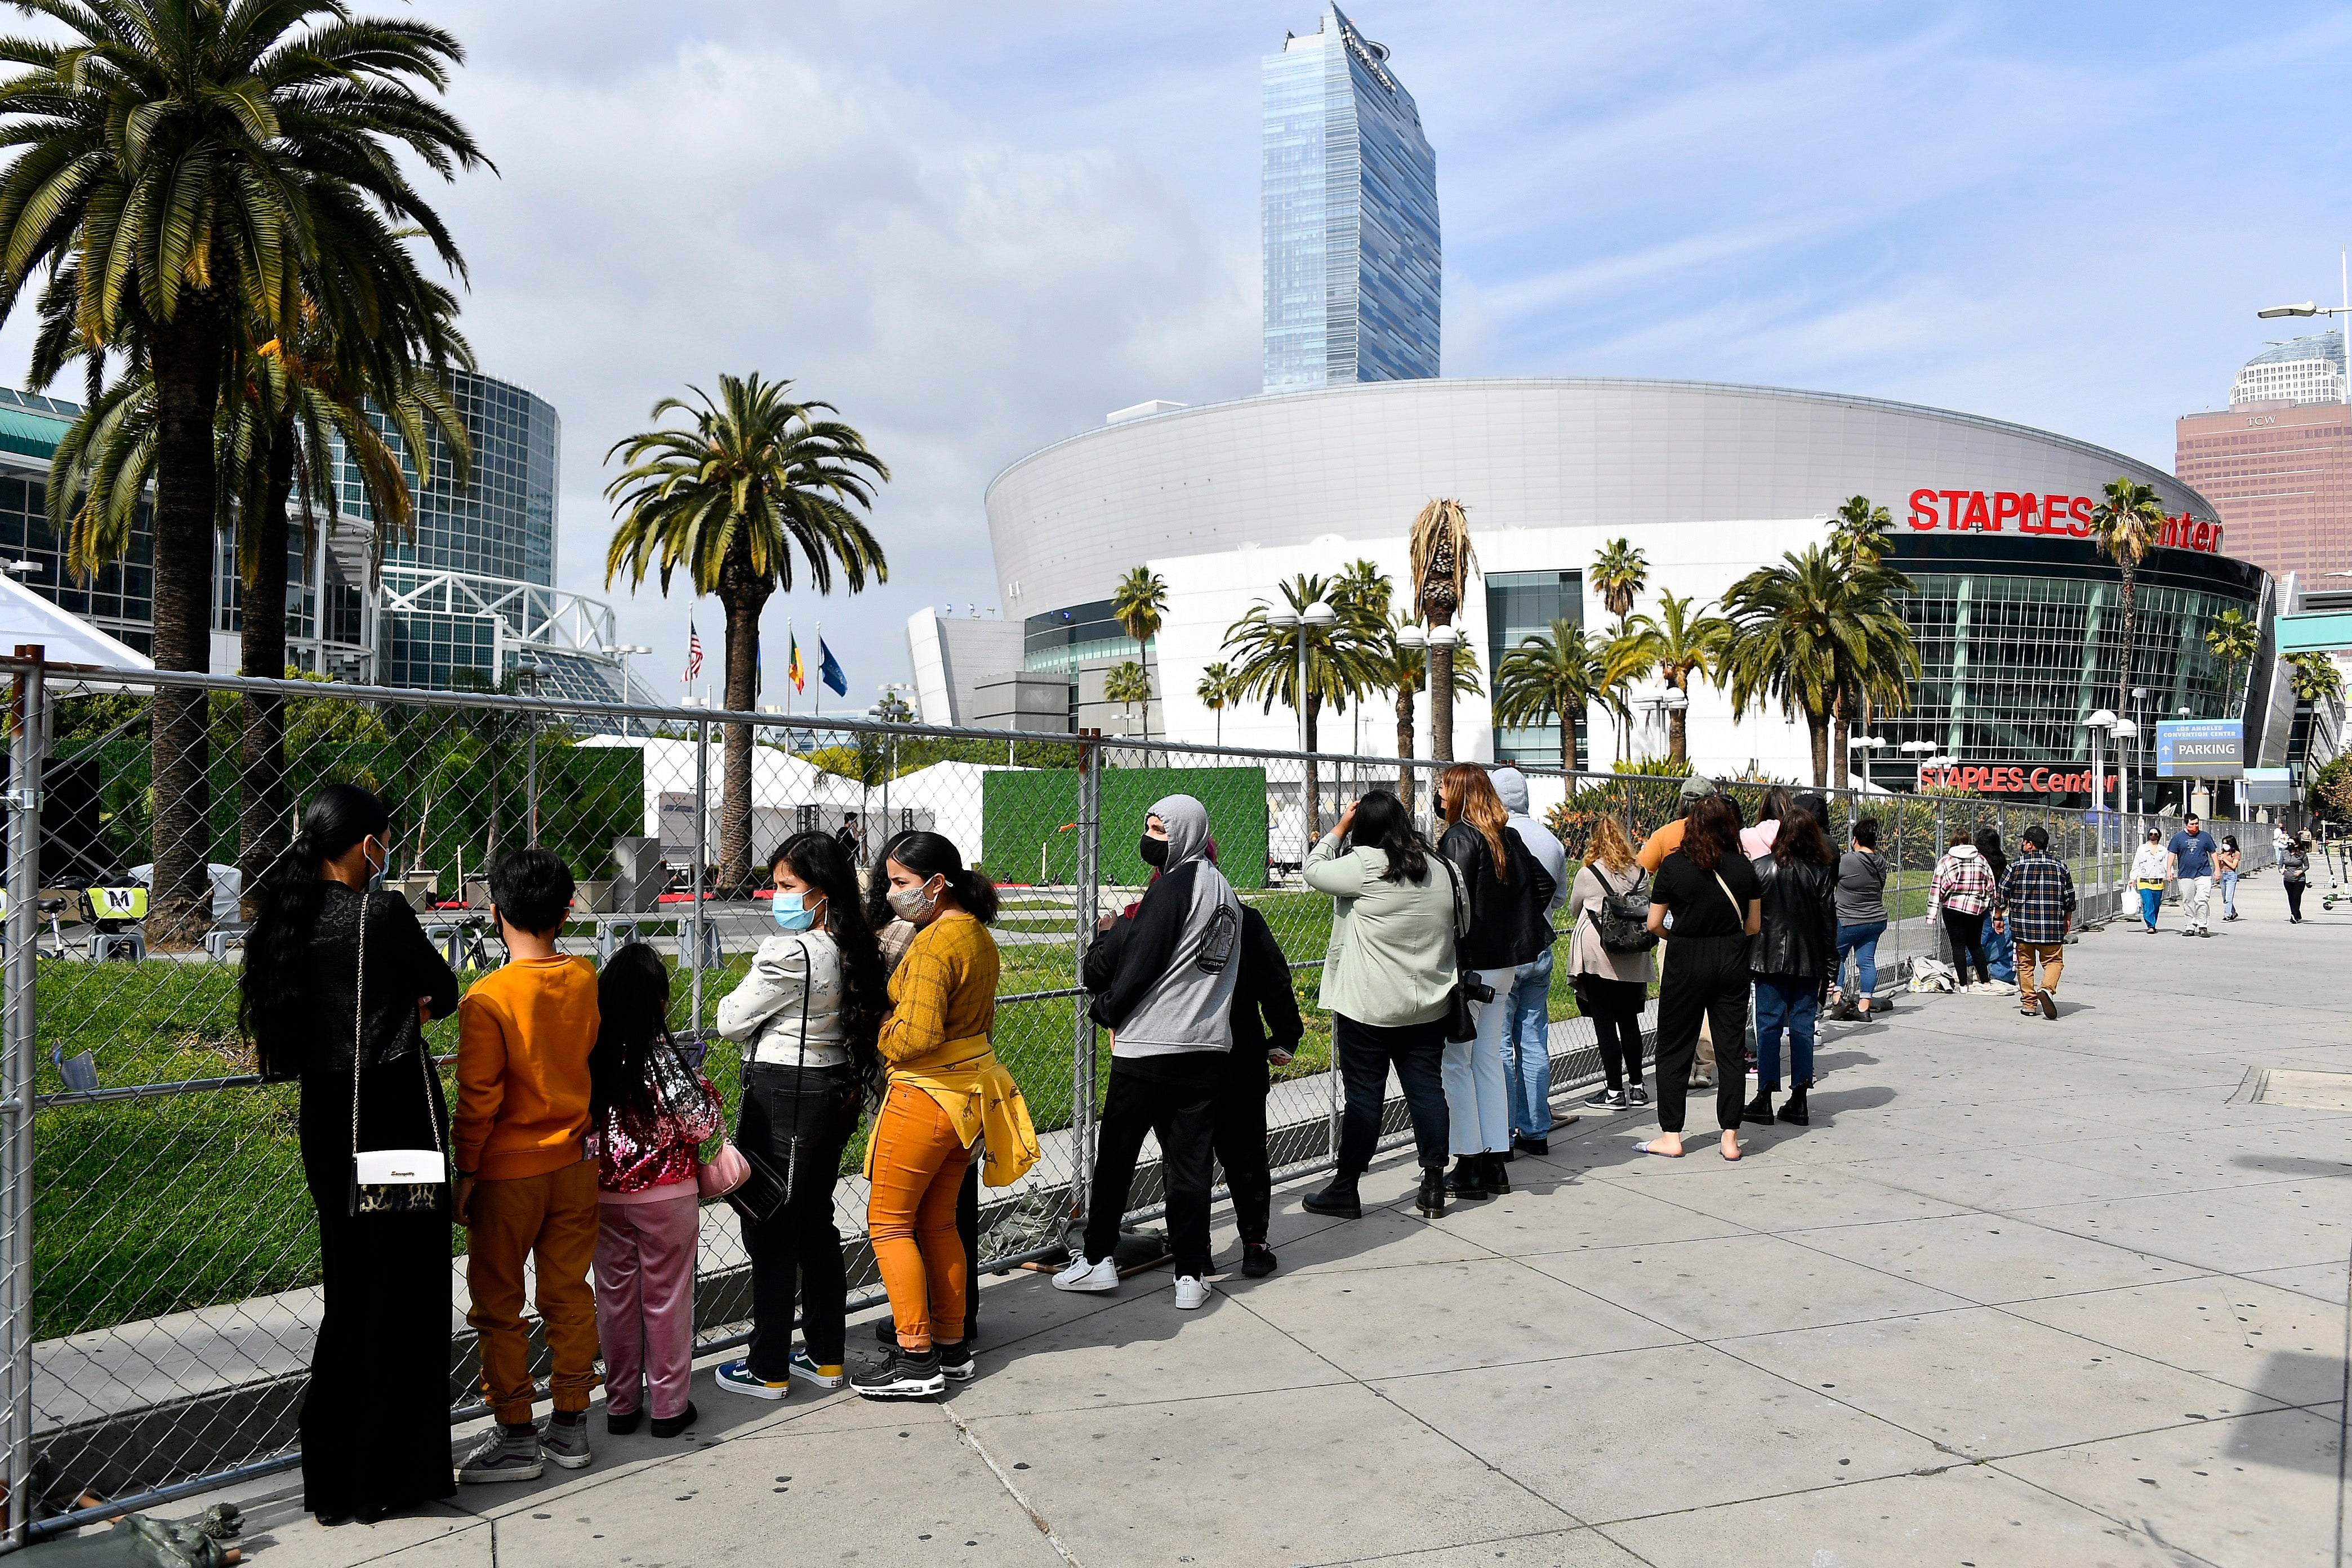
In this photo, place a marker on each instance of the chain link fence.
(159, 1260)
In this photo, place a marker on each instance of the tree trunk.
(1441, 701)
(1313, 795)
(186, 359)
(1842, 752)
(1678, 731)
(1144, 644)
(1405, 743)
(263, 808)
(1820, 726)
(744, 594)
(2123, 691)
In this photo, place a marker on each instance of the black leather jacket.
(1507, 927)
(403, 966)
(1799, 936)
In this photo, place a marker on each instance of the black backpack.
(1623, 920)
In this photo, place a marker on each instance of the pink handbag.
(715, 1178)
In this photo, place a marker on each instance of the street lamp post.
(1918, 752)
(529, 672)
(622, 651)
(2309, 309)
(2123, 730)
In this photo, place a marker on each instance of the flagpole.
(791, 647)
(820, 669)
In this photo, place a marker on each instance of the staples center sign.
(2016, 778)
(1996, 511)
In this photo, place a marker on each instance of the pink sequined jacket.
(658, 1141)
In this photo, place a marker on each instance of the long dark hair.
(632, 1017)
(819, 860)
(927, 854)
(879, 912)
(1383, 823)
(1800, 839)
(1712, 831)
(1988, 846)
(273, 991)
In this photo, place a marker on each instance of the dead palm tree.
(1441, 564)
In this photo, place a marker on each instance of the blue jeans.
(1785, 1004)
(2150, 900)
(2229, 894)
(2001, 952)
(1862, 942)
(1527, 1048)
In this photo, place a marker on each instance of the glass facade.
(1521, 604)
(120, 600)
(1352, 289)
(1060, 640)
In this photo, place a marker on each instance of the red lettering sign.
(2045, 514)
(1923, 510)
(2012, 778)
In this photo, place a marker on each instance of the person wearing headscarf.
(1527, 1039)
(1162, 982)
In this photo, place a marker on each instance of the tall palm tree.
(1620, 573)
(1626, 659)
(1338, 666)
(1808, 631)
(2316, 678)
(1556, 674)
(1680, 642)
(2235, 638)
(1860, 534)
(1441, 564)
(172, 156)
(2125, 524)
(1139, 604)
(1403, 671)
(1126, 684)
(1217, 691)
(730, 498)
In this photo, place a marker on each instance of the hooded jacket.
(1963, 881)
(1511, 789)
(1163, 980)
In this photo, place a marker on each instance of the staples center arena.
(2018, 618)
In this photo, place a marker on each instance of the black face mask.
(1153, 850)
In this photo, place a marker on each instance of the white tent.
(782, 787)
(64, 638)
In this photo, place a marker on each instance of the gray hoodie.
(1511, 789)
(1163, 982)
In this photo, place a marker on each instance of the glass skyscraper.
(1351, 212)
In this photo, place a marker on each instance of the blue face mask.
(792, 912)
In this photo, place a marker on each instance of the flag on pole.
(797, 672)
(828, 669)
(693, 652)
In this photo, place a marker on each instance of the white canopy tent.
(63, 636)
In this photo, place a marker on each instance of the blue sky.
(977, 228)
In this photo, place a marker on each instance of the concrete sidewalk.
(2025, 1292)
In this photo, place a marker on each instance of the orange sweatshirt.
(524, 1033)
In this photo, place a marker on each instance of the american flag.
(693, 650)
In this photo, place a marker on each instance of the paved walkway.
(2024, 1292)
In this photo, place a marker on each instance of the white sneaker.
(1191, 1292)
(1081, 1275)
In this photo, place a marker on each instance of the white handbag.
(392, 1181)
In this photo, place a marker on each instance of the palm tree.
(1338, 666)
(1403, 671)
(1217, 691)
(730, 498)
(1680, 642)
(1556, 674)
(1810, 630)
(1138, 605)
(1860, 534)
(1620, 573)
(2316, 678)
(1625, 660)
(1441, 564)
(1127, 685)
(2125, 525)
(2235, 638)
(175, 167)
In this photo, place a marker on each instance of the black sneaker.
(1257, 1261)
(955, 1362)
(1636, 1095)
(1606, 1099)
(903, 1375)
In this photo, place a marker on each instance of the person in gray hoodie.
(1527, 1039)
(1162, 982)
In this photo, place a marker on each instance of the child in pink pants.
(649, 1115)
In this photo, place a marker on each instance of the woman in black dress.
(375, 1417)
(1715, 907)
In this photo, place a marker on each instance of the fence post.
(701, 826)
(1086, 897)
(15, 1246)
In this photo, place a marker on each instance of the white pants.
(1477, 1093)
(2196, 902)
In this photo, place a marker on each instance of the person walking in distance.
(2225, 867)
(2150, 866)
(1163, 985)
(2189, 859)
(2294, 874)
(1862, 920)
(2035, 902)
(2001, 954)
(1960, 894)
(1664, 841)
(1712, 896)
(1792, 958)
(1527, 1040)
(1609, 964)
(1388, 982)
(1509, 893)
(806, 1017)
(1266, 1031)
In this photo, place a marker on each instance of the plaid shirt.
(2037, 895)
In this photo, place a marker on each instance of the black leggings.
(1615, 1008)
(1966, 932)
(2293, 899)
(1705, 977)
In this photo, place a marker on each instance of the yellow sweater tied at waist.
(981, 1100)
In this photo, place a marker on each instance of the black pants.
(1367, 1051)
(1185, 1121)
(1965, 932)
(2293, 899)
(1240, 1112)
(1706, 977)
(796, 1252)
(1615, 1008)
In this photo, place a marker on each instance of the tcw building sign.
(2014, 778)
(2029, 511)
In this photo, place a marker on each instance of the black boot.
(1498, 1177)
(1794, 1112)
(1339, 1200)
(1431, 1200)
(1760, 1110)
(1469, 1177)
